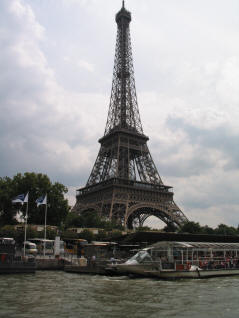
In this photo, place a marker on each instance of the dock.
(81, 266)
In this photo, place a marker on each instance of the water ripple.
(65, 295)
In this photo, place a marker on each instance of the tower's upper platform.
(123, 14)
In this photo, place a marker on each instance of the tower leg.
(126, 212)
(111, 206)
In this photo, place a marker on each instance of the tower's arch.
(139, 213)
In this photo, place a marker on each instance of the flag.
(26, 198)
(41, 200)
(19, 199)
(19, 217)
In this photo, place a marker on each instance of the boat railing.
(206, 263)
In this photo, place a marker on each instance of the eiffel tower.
(124, 185)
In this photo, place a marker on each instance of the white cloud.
(85, 65)
(82, 64)
(46, 126)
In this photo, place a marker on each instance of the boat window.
(49, 245)
(145, 258)
(141, 257)
(30, 246)
(177, 252)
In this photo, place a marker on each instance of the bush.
(69, 235)
(86, 235)
(116, 234)
(102, 235)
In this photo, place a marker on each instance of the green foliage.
(18, 234)
(116, 234)
(207, 230)
(143, 228)
(169, 228)
(7, 192)
(73, 220)
(37, 185)
(50, 233)
(112, 225)
(90, 219)
(69, 235)
(191, 227)
(101, 236)
(221, 229)
(8, 231)
(86, 235)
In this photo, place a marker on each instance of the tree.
(169, 228)
(7, 192)
(223, 229)
(207, 230)
(37, 185)
(73, 220)
(88, 219)
(191, 227)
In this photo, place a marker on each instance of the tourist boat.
(172, 260)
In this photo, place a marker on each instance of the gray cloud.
(55, 78)
(219, 138)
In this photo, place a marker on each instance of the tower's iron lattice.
(124, 185)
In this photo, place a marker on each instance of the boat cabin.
(182, 255)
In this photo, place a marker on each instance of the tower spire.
(123, 108)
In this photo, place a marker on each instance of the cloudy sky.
(56, 62)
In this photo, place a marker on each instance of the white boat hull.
(152, 271)
(194, 274)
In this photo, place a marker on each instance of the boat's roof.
(196, 245)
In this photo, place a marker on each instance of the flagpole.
(25, 232)
(44, 253)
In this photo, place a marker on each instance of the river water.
(59, 294)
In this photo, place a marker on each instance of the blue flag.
(41, 200)
(19, 199)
